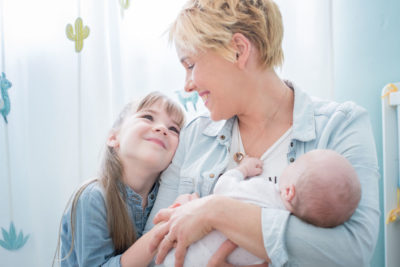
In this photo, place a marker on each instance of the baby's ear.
(112, 140)
(289, 192)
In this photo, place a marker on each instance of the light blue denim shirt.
(202, 156)
(93, 245)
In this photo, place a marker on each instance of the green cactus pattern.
(124, 4)
(81, 33)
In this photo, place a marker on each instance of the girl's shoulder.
(90, 193)
(88, 199)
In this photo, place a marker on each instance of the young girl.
(108, 214)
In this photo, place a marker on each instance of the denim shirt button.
(291, 159)
(212, 175)
(222, 137)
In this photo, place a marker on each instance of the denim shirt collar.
(223, 127)
(303, 119)
(137, 199)
(303, 116)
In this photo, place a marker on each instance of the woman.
(229, 49)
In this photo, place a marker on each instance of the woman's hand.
(219, 257)
(184, 225)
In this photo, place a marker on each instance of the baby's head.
(321, 187)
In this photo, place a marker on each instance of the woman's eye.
(147, 117)
(174, 129)
(188, 65)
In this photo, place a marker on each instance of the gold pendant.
(238, 156)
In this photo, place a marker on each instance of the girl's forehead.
(157, 105)
(162, 106)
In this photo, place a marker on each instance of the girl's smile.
(149, 137)
(157, 141)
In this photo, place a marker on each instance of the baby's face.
(291, 174)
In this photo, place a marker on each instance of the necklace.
(238, 156)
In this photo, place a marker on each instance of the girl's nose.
(160, 128)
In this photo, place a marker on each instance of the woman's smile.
(204, 95)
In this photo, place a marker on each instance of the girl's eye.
(148, 117)
(190, 66)
(174, 129)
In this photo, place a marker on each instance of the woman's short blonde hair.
(210, 24)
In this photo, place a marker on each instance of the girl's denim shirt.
(93, 245)
(202, 156)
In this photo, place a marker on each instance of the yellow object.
(124, 4)
(81, 33)
(393, 88)
(394, 213)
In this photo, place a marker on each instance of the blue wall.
(367, 57)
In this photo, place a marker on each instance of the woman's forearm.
(238, 221)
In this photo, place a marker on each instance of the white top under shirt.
(261, 190)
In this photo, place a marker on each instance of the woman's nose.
(189, 85)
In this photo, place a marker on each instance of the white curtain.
(63, 102)
(307, 45)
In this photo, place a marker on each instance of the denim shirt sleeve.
(292, 242)
(93, 243)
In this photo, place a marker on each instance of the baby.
(320, 187)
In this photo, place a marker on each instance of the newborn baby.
(320, 187)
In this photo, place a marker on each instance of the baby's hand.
(250, 166)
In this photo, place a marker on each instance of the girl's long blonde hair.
(119, 223)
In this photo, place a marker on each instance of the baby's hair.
(211, 24)
(328, 190)
(119, 223)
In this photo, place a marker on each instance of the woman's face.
(214, 79)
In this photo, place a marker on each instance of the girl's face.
(148, 137)
(215, 80)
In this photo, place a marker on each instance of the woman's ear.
(112, 140)
(243, 47)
